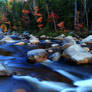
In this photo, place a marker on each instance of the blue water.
(32, 79)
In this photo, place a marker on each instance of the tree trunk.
(75, 18)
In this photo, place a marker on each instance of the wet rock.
(38, 55)
(67, 42)
(87, 39)
(75, 39)
(47, 41)
(69, 39)
(3, 70)
(60, 37)
(50, 50)
(54, 45)
(65, 46)
(53, 50)
(77, 54)
(43, 36)
(33, 40)
(8, 39)
(55, 56)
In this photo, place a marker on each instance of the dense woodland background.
(47, 16)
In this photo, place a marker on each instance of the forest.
(51, 17)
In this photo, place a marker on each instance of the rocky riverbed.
(45, 64)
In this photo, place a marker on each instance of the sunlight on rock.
(69, 39)
(60, 37)
(38, 55)
(33, 40)
(77, 54)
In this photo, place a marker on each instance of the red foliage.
(61, 24)
(24, 11)
(39, 19)
(80, 25)
(51, 16)
(40, 25)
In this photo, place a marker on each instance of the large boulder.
(77, 54)
(67, 42)
(69, 39)
(38, 55)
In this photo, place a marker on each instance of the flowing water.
(45, 77)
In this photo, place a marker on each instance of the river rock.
(54, 45)
(87, 39)
(8, 39)
(67, 42)
(69, 39)
(65, 46)
(77, 54)
(47, 41)
(43, 36)
(33, 40)
(38, 55)
(60, 37)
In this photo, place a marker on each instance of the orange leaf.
(39, 14)
(39, 19)
(61, 24)
(40, 25)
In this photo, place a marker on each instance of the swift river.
(41, 77)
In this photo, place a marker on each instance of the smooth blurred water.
(38, 78)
